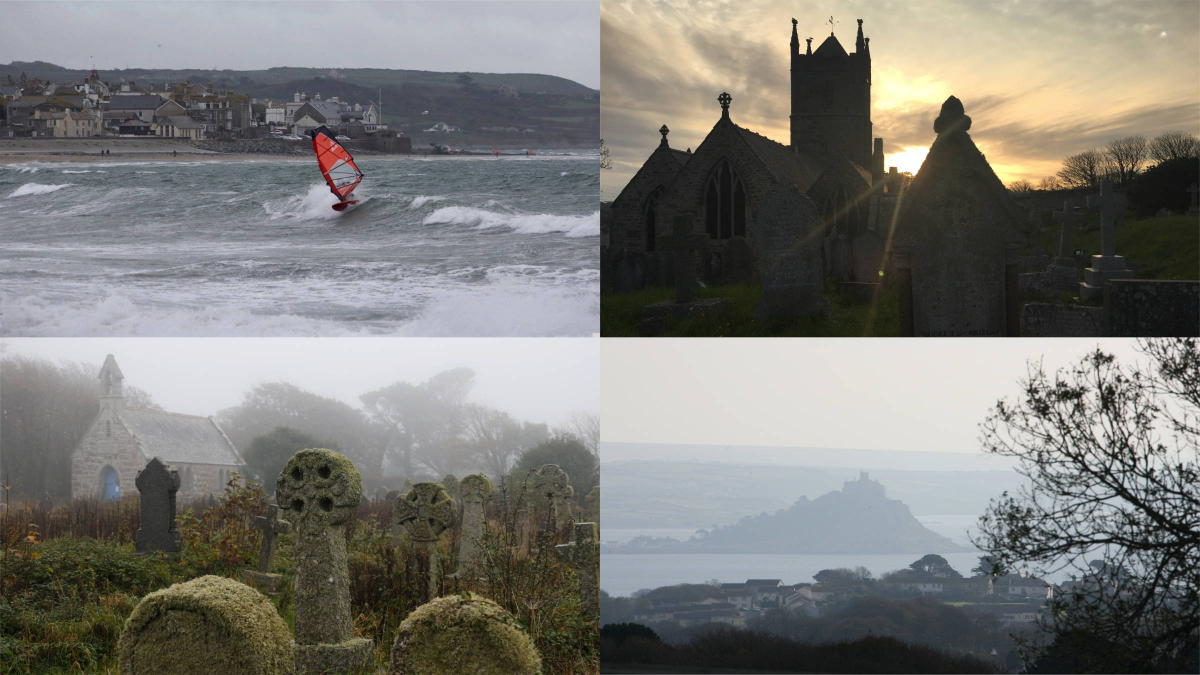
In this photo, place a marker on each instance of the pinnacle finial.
(793, 23)
(664, 131)
(724, 100)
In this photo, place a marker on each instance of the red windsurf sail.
(336, 164)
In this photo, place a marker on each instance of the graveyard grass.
(620, 315)
(70, 579)
(1158, 248)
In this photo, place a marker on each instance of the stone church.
(831, 160)
(122, 439)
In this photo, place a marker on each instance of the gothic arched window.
(108, 428)
(652, 218)
(187, 480)
(725, 203)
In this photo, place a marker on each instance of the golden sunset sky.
(1041, 79)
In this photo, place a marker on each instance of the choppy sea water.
(446, 246)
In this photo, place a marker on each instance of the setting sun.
(908, 160)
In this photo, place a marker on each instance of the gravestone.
(1108, 265)
(381, 493)
(477, 492)
(46, 504)
(552, 490)
(740, 269)
(1064, 270)
(867, 254)
(660, 269)
(463, 633)
(1194, 209)
(958, 233)
(450, 482)
(787, 243)
(157, 487)
(584, 555)
(838, 257)
(271, 527)
(1162, 213)
(318, 491)
(629, 271)
(1152, 308)
(685, 243)
(426, 512)
(714, 267)
(592, 505)
(207, 625)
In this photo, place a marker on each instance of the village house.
(122, 439)
(180, 126)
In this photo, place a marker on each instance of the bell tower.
(111, 382)
(831, 99)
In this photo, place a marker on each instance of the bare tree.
(1083, 170)
(1126, 157)
(1021, 185)
(605, 160)
(423, 420)
(494, 439)
(1050, 183)
(1174, 145)
(1111, 455)
(583, 426)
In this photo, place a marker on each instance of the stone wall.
(1039, 319)
(1152, 308)
(106, 443)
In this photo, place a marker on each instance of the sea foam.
(520, 223)
(37, 189)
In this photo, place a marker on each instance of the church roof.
(681, 156)
(830, 47)
(179, 438)
(784, 164)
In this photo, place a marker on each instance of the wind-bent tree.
(1111, 457)
(1083, 170)
(1125, 157)
(936, 566)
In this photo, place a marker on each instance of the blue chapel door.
(112, 484)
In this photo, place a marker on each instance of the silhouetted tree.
(1111, 454)
(1083, 170)
(423, 421)
(1125, 157)
(493, 438)
(1164, 186)
(1050, 183)
(585, 427)
(605, 160)
(1020, 185)
(1174, 145)
(935, 565)
(570, 455)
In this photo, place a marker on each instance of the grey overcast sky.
(1041, 79)
(552, 37)
(536, 379)
(870, 394)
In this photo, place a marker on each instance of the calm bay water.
(437, 246)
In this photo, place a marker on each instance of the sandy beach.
(17, 150)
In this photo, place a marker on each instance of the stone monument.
(157, 487)
(476, 491)
(685, 242)
(592, 505)
(207, 625)
(1108, 265)
(584, 555)
(463, 633)
(552, 492)
(318, 490)
(426, 512)
(1064, 272)
(271, 527)
(788, 243)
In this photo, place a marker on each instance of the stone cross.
(664, 131)
(271, 526)
(450, 482)
(724, 99)
(476, 491)
(1107, 203)
(318, 490)
(157, 486)
(592, 500)
(1195, 207)
(685, 243)
(584, 554)
(1068, 217)
(552, 488)
(426, 511)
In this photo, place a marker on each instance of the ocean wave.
(37, 189)
(316, 204)
(533, 223)
(422, 200)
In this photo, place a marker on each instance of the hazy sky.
(536, 379)
(1041, 79)
(926, 394)
(561, 37)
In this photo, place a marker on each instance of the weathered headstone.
(584, 555)
(463, 633)
(157, 487)
(271, 527)
(629, 271)
(553, 491)
(1064, 271)
(426, 512)
(1194, 209)
(1162, 213)
(787, 241)
(685, 243)
(740, 269)
(450, 482)
(958, 226)
(381, 493)
(1108, 265)
(477, 491)
(592, 504)
(867, 255)
(1152, 308)
(207, 625)
(318, 491)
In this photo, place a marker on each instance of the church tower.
(831, 100)
(110, 382)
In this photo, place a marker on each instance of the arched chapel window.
(725, 203)
(108, 428)
(652, 218)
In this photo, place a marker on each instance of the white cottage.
(122, 439)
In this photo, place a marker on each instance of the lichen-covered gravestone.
(381, 493)
(271, 527)
(552, 492)
(592, 504)
(426, 512)
(476, 491)
(157, 487)
(787, 242)
(319, 490)
(463, 634)
(584, 555)
(450, 482)
(206, 625)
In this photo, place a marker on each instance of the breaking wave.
(37, 189)
(520, 223)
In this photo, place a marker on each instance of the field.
(70, 578)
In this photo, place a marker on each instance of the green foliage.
(570, 455)
(268, 453)
(935, 565)
(844, 576)
(224, 540)
(620, 315)
(619, 632)
(1165, 186)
